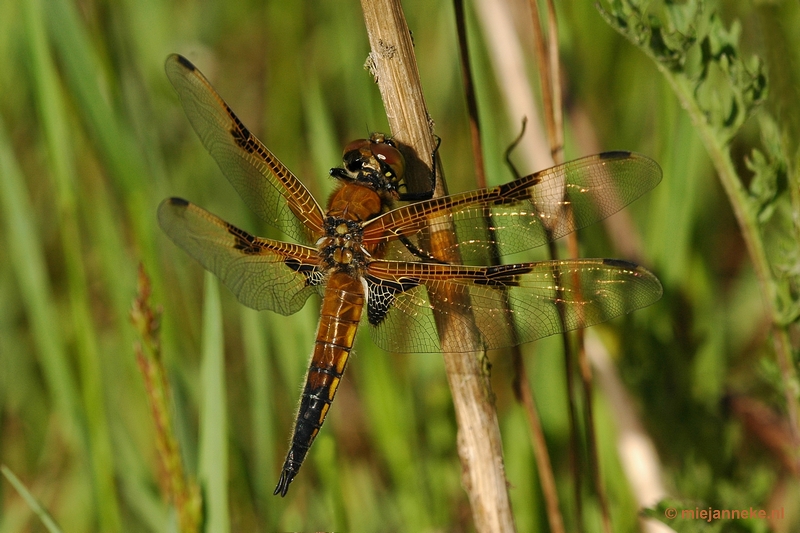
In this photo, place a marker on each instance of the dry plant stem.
(574, 440)
(479, 445)
(636, 451)
(591, 435)
(550, 69)
(556, 114)
(524, 395)
(508, 61)
(523, 392)
(547, 61)
(176, 488)
(469, 94)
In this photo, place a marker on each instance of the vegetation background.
(92, 138)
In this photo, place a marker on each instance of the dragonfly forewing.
(530, 211)
(264, 183)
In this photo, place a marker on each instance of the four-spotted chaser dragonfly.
(362, 251)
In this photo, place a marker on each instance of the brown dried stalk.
(550, 75)
(176, 488)
(394, 66)
(522, 387)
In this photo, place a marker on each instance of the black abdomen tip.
(283, 483)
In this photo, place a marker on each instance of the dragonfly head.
(375, 162)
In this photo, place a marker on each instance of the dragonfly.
(369, 259)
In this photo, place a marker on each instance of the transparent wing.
(527, 212)
(262, 273)
(264, 183)
(588, 291)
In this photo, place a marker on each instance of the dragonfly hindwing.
(381, 294)
(314, 275)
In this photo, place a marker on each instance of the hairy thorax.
(342, 248)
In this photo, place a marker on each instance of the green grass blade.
(34, 504)
(50, 104)
(262, 419)
(27, 258)
(213, 414)
(90, 85)
(87, 79)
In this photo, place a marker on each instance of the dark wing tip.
(182, 61)
(180, 202)
(620, 263)
(169, 209)
(615, 154)
(654, 172)
(655, 289)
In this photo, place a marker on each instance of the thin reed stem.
(480, 449)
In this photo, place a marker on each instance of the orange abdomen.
(342, 306)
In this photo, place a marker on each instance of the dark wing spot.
(241, 135)
(185, 63)
(505, 270)
(615, 154)
(380, 297)
(245, 242)
(619, 263)
(502, 275)
(180, 202)
(515, 191)
(314, 276)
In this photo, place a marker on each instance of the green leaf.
(694, 45)
(32, 502)
(213, 414)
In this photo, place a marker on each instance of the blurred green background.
(92, 138)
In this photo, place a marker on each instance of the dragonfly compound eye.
(391, 157)
(355, 153)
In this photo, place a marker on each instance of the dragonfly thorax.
(341, 248)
